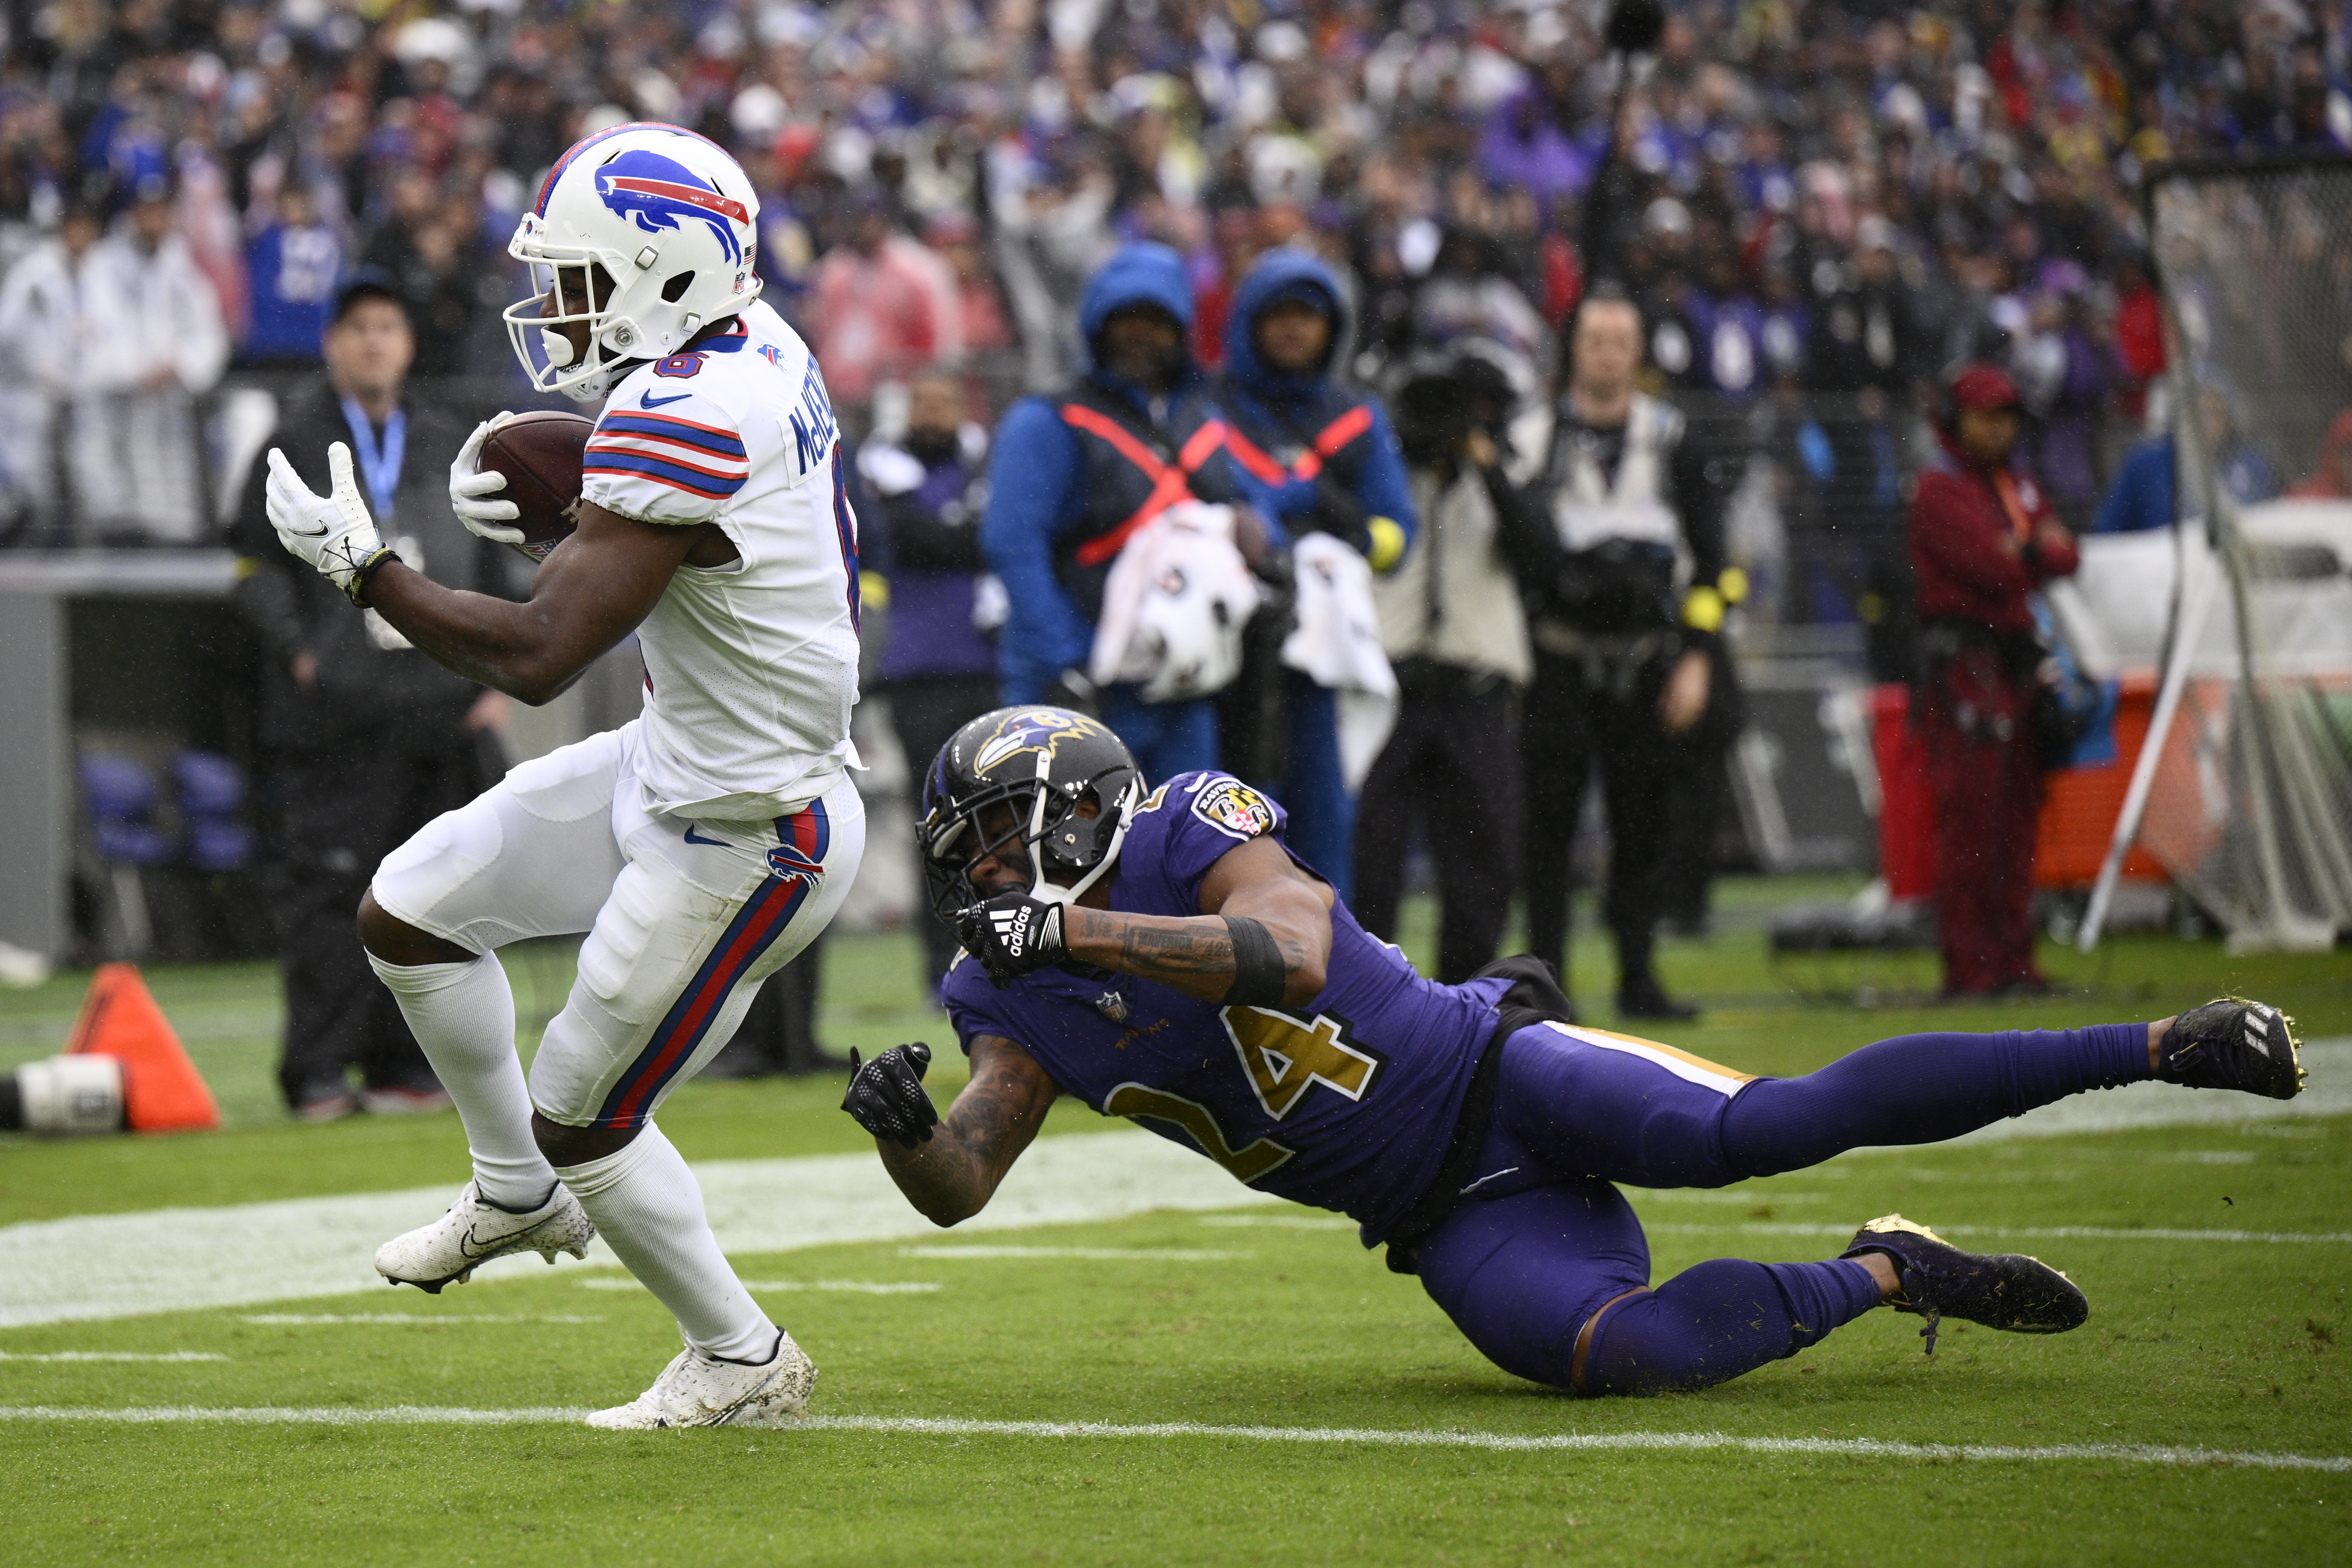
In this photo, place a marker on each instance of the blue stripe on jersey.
(677, 476)
(665, 428)
(845, 523)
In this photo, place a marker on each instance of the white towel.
(1337, 644)
(1174, 606)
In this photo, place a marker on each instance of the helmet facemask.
(581, 292)
(1046, 819)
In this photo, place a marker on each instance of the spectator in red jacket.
(1983, 539)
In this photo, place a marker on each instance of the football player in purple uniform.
(1160, 955)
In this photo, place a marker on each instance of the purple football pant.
(1543, 1240)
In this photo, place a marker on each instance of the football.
(539, 454)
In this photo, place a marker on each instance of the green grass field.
(1266, 1318)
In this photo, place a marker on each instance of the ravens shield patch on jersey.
(1232, 807)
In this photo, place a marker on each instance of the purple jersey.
(1346, 1103)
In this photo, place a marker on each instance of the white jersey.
(752, 668)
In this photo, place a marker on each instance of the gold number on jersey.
(1284, 1056)
(1132, 1099)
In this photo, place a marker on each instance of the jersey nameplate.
(1233, 808)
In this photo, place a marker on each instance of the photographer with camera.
(1451, 623)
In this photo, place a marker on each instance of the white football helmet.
(671, 221)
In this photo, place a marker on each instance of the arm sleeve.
(1381, 484)
(681, 463)
(1522, 533)
(1699, 504)
(1961, 551)
(1032, 476)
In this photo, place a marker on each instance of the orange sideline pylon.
(161, 1089)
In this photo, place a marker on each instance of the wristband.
(1258, 978)
(374, 563)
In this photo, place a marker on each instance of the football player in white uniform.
(698, 846)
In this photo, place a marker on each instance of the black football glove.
(1012, 934)
(886, 1095)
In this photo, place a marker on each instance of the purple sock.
(1712, 1322)
(1922, 1088)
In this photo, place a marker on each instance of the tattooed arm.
(1255, 880)
(951, 1176)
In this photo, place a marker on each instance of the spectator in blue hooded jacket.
(1330, 463)
(1074, 477)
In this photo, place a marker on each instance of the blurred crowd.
(1825, 203)
(222, 218)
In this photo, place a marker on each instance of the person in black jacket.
(1626, 643)
(365, 739)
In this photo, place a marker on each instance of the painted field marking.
(855, 1287)
(1132, 1254)
(2037, 1233)
(112, 1355)
(1368, 1436)
(1282, 1221)
(163, 1260)
(294, 1318)
(293, 1249)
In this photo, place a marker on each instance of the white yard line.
(112, 1355)
(1366, 1436)
(2024, 1232)
(853, 1286)
(280, 1320)
(1103, 1254)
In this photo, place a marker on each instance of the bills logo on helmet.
(655, 193)
(1231, 806)
(1031, 731)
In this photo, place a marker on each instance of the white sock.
(648, 1208)
(463, 1015)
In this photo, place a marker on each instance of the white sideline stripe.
(859, 1287)
(2038, 1233)
(1130, 1253)
(284, 1318)
(112, 1355)
(163, 1260)
(1281, 1221)
(1370, 1437)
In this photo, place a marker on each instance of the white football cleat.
(474, 1231)
(696, 1391)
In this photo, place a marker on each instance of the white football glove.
(469, 486)
(333, 532)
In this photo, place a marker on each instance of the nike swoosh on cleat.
(647, 400)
